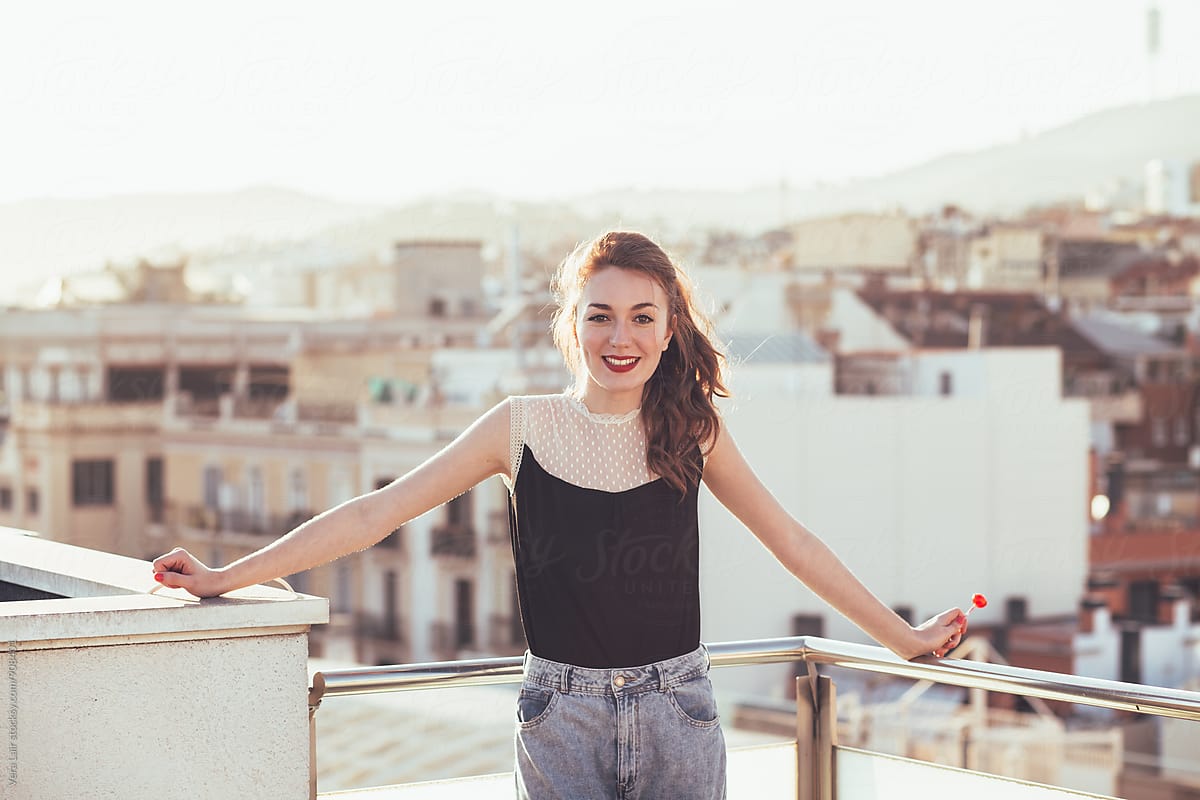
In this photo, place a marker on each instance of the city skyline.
(384, 104)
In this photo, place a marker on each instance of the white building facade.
(928, 498)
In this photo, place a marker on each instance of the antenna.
(1153, 41)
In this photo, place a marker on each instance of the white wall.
(112, 692)
(927, 499)
(1171, 653)
(860, 328)
(1004, 374)
(804, 382)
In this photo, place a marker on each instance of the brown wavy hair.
(678, 411)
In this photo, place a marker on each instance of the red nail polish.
(158, 577)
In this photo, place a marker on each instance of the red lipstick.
(620, 363)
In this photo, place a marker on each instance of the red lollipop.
(977, 601)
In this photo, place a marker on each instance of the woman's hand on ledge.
(179, 569)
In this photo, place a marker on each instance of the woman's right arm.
(479, 452)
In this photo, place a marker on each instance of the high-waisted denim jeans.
(644, 733)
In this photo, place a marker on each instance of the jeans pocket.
(534, 704)
(695, 703)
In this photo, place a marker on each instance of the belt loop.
(564, 679)
(662, 677)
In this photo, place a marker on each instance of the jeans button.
(619, 681)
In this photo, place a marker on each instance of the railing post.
(826, 730)
(315, 693)
(806, 751)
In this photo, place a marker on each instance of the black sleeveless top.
(604, 579)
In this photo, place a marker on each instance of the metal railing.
(816, 725)
(453, 540)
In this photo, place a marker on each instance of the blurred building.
(415, 278)
(144, 422)
(969, 473)
(1172, 188)
(855, 242)
(1007, 256)
(1085, 269)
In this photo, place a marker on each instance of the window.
(1158, 431)
(1016, 610)
(256, 499)
(391, 602)
(32, 501)
(268, 382)
(464, 626)
(154, 488)
(1143, 600)
(135, 384)
(206, 383)
(297, 495)
(212, 487)
(945, 384)
(1181, 431)
(91, 482)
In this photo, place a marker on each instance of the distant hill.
(40, 238)
(43, 237)
(1060, 164)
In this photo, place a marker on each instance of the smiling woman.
(628, 329)
(603, 483)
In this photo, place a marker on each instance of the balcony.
(505, 634)
(380, 627)
(89, 416)
(205, 699)
(234, 521)
(455, 541)
(448, 639)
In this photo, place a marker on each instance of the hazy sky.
(381, 101)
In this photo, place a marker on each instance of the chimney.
(829, 339)
(977, 327)
(1093, 615)
(1173, 605)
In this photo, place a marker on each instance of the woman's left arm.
(734, 483)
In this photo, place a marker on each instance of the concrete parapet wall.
(128, 694)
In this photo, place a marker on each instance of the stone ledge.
(107, 597)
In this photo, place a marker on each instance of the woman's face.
(622, 326)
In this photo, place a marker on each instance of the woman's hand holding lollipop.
(977, 601)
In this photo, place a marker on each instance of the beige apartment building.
(133, 428)
(415, 278)
(1007, 256)
(855, 242)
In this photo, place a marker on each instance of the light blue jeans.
(636, 733)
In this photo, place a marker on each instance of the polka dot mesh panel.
(595, 451)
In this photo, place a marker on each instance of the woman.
(603, 479)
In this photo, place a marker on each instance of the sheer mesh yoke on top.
(594, 451)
